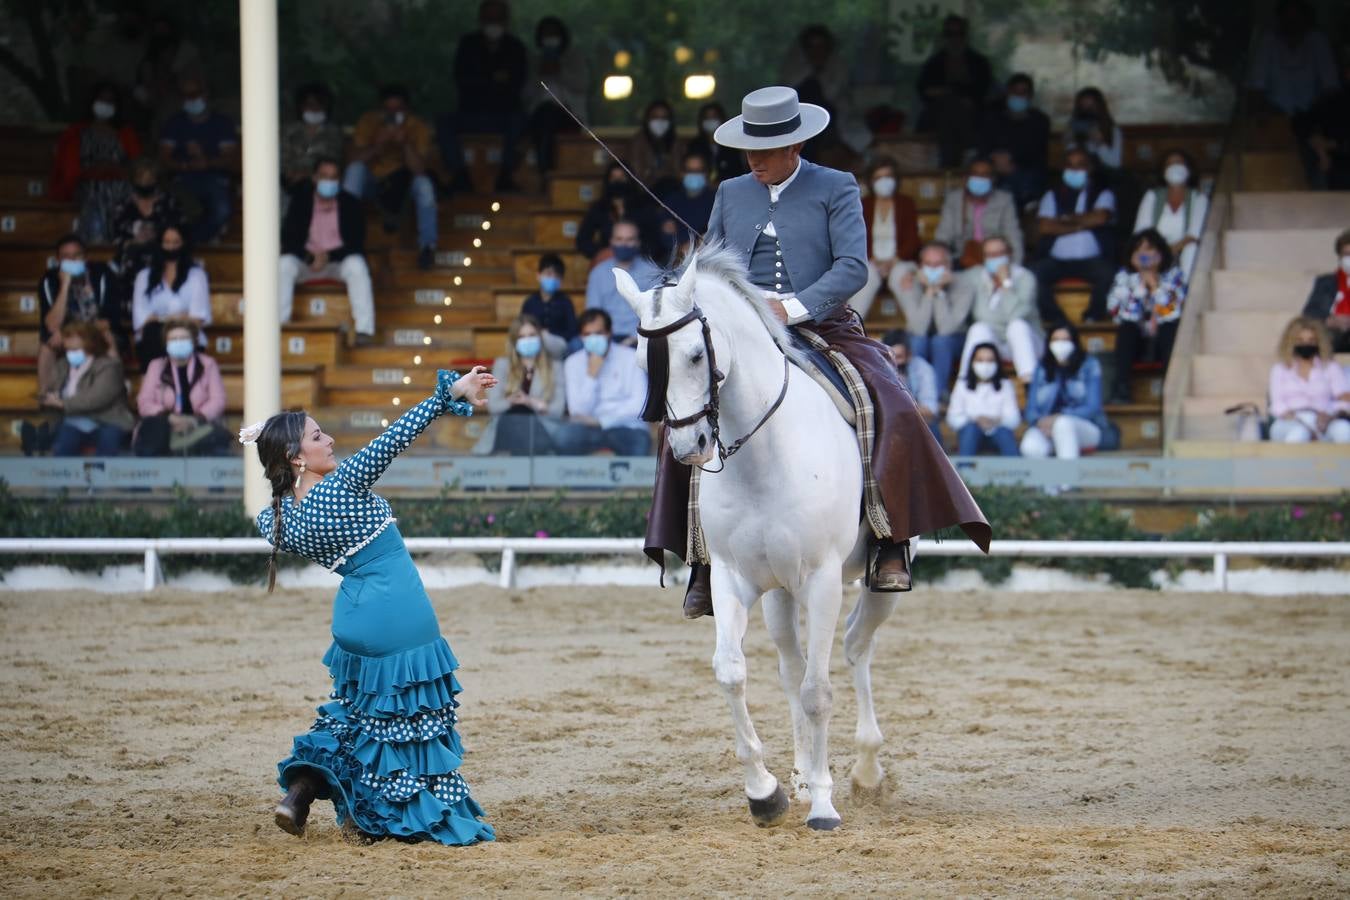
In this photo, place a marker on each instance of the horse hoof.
(824, 824)
(771, 810)
(289, 821)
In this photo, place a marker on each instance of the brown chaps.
(920, 489)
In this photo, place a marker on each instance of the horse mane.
(723, 262)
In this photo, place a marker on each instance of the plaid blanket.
(865, 427)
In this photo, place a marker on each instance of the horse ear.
(629, 291)
(686, 286)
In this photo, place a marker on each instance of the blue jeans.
(212, 191)
(970, 440)
(391, 192)
(942, 350)
(105, 439)
(575, 438)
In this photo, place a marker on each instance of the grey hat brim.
(731, 133)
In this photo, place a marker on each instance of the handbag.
(1250, 423)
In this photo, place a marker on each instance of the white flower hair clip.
(249, 434)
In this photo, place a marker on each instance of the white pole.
(262, 242)
(1221, 572)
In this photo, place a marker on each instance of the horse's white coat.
(781, 520)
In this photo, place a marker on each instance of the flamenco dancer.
(384, 749)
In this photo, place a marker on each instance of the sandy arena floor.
(1127, 743)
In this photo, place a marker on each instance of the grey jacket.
(498, 404)
(819, 223)
(947, 311)
(100, 394)
(955, 227)
(1019, 303)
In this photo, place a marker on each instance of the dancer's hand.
(474, 386)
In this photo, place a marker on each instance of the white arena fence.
(151, 549)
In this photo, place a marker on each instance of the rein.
(658, 368)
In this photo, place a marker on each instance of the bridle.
(658, 373)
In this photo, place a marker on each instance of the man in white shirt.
(602, 291)
(1076, 219)
(605, 394)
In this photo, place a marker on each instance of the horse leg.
(824, 596)
(731, 602)
(780, 617)
(871, 610)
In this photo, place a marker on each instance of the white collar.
(776, 190)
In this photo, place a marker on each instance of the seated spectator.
(1003, 309)
(621, 200)
(140, 220)
(819, 73)
(918, 377)
(1309, 390)
(983, 411)
(1328, 140)
(91, 164)
(892, 222)
(202, 148)
(953, 87)
(1016, 138)
(605, 394)
(91, 396)
(975, 210)
(324, 239)
(391, 150)
(527, 403)
(173, 286)
(1176, 211)
(169, 58)
(564, 67)
(182, 399)
(603, 294)
(1145, 302)
(1091, 128)
(936, 308)
(1329, 301)
(1064, 402)
(655, 155)
(312, 136)
(726, 162)
(490, 70)
(552, 310)
(74, 290)
(692, 202)
(1076, 236)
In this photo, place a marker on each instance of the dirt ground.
(1125, 743)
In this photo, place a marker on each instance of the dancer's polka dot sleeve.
(340, 512)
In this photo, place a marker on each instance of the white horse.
(780, 518)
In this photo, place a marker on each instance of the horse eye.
(697, 357)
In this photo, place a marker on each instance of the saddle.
(822, 372)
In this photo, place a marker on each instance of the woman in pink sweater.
(182, 400)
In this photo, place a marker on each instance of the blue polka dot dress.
(385, 744)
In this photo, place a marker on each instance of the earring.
(302, 467)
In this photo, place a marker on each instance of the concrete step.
(1203, 418)
(1261, 290)
(1292, 248)
(396, 377)
(1272, 170)
(1253, 333)
(1223, 375)
(444, 335)
(35, 226)
(1291, 209)
(448, 279)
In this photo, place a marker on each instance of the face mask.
(528, 347)
(978, 185)
(1345, 264)
(1176, 174)
(73, 267)
(884, 186)
(1306, 351)
(179, 348)
(76, 358)
(195, 107)
(1075, 178)
(327, 188)
(494, 32)
(395, 118)
(552, 42)
(711, 124)
(170, 255)
(984, 370)
(994, 263)
(144, 190)
(1062, 350)
(103, 110)
(596, 344)
(1147, 260)
(1018, 104)
(695, 182)
(625, 252)
(658, 127)
(314, 116)
(550, 284)
(933, 274)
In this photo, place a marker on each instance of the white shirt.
(883, 236)
(193, 299)
(1079, 244)
(1172, 224)
(614, 397)
(983, 403)
(796, 312)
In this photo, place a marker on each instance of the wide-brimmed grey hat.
(772, 117)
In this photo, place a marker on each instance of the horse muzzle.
(692, 445)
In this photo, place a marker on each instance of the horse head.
(680, 351)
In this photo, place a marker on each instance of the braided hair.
(278, 444)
